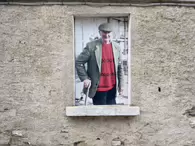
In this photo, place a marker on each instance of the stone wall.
(36, 79)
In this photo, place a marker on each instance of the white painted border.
(73, 34)
(102, 15)
(129, 45)
(104, 110)
(129, 60)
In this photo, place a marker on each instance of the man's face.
(106, 36)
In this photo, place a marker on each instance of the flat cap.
(105, 27)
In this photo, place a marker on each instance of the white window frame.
(110, 110)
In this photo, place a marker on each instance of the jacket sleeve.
(120, 71)
(80, 63)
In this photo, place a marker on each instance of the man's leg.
(99, 98)
(111, 96)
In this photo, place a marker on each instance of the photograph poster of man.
(101, 61)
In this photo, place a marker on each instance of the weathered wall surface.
(36, 79)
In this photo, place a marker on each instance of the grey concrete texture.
(105, 1)
(36, 79)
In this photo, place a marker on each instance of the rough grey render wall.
(36, 79)
(104, 1)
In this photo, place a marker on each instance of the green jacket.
(92, 55)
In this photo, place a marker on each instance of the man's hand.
(120, 91)
(86, 83)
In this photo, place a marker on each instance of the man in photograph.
(104, 72)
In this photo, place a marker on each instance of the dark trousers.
(105, 98)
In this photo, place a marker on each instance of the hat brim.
(106, 31)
